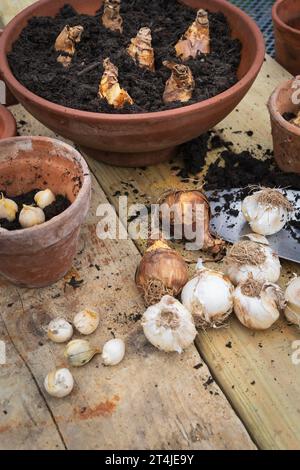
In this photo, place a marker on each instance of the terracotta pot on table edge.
(287, 39)
(286, 136)
(41, 255)
(138, 139)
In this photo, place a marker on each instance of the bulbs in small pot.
(59, 383)
(267, 211)
(8, 208)
(79, 352)
(113, 352)
(249, 257)
(86, 321)
(292, 297)
(44, 198)
(190, 219)
(161, 271)
(209, 297)
(258, 304)
(168, 325)
(31, 216)
(60, 330)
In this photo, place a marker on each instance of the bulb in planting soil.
(254, 258)
(31, 216)
(141, 50)
(66, 43)
(196, 39)
(168, 325)
(44, 198)
(190, 213)
(296, 121)
(162, 271)
(267, 211)
(59, 383)
(8, 209)
(180, 85)
(110, 89)
(292, 297)
(111, 18)
(258, 304)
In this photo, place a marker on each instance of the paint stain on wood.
(105, 408)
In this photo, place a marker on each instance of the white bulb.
(258, 305)
(113, 352)
(292, 297)
(209, 298)
(60, 330)
(59, 383)
(8, 209)
(267, 211)
(79, 352)
(44, 198)
(31, 216)
(168, 325)
(248, 258)
(86, 321)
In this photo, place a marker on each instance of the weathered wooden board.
(152, 400)
(255, 370)
(10, 8)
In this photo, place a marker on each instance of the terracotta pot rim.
(279, 23)
(121, 118)
(272, 105)
(10, 125)
(16, 235)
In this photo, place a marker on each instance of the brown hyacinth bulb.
(180, 85)
(184, 204)
(111, 18)
(141, 50)
(196, 39)
(110, 89)
(162, 271)
(66, 43)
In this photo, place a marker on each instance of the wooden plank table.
(254, 398)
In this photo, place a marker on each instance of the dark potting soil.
(33, 58)
(289, 116)
(60, 204)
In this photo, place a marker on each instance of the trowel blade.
(232, 228)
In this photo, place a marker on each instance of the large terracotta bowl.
(141, 139)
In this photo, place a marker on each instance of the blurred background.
(261, 12)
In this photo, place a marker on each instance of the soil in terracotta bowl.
(60, 204)
(33, 58)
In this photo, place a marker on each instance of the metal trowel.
(232, 228)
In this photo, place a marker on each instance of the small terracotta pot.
(286, 20)
(8, 127)
(286, 136)
(9, 97)
(39, 256)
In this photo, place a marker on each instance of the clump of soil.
(60, 204)
(236, 170)
(33, 58)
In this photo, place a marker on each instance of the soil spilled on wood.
(33, 58)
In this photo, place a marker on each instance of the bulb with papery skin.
(8, 209)
(44, 198)
(31, 216)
